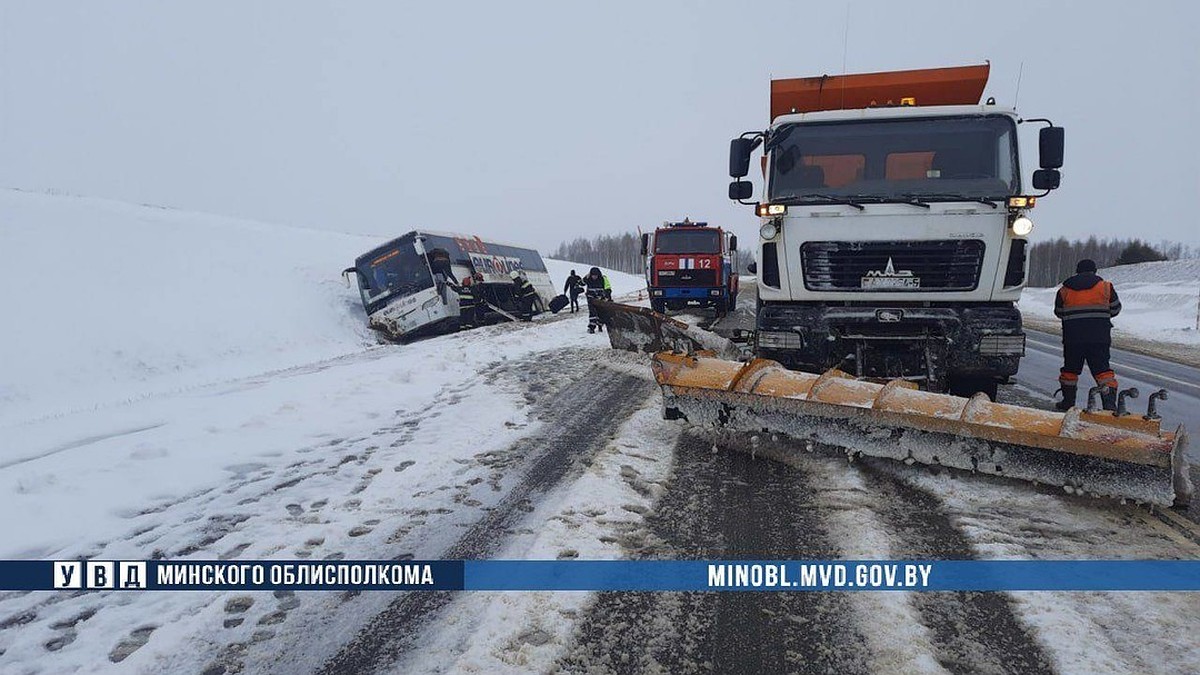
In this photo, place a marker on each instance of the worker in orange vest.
(1086, 304)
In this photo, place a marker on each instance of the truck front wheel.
(968, 386)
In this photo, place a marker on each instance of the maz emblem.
(890, 277)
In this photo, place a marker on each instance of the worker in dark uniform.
(573, 288)
(469, 304)
(597, 288)
(443, 274)
(439, 263)
(525, 295)
(1086, 304)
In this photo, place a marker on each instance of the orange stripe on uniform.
(1096, 296)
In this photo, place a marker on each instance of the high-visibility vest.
(1086, 312)
(1097, 302)
(525, 289)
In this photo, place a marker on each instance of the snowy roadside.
(1083, 632)
(1160, 309)
(336, 459)
(141, 302)
(586, 519)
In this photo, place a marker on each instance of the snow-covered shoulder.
(1159, 300)
(622, 282)
(107, 301)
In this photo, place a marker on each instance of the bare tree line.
(621, 252)
(1052, 261)
(1049, 261)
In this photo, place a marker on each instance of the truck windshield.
(931, 159)
(687, 241)
(399, 270)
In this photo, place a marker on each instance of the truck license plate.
(891, 282)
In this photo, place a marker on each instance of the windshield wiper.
(914, 200)
(828, 199)
(958, 198)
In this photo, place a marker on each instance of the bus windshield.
(930, 159)
(398, 270)
(687, 241)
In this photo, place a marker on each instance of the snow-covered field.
(185, 385)
(107, 302)
(110, 305)
(1159, 301)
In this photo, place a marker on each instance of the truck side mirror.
(732, 242)
(1050, 148)
(740, 190)
(1046, 179)
(752, 268)
(739, 156)
(645, 243)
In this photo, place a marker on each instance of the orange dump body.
(959, 85)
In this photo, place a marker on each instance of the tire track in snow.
(584, 416)
(725, 505)
(972, 632)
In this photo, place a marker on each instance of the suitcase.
(558, 303)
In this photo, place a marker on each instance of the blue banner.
(604, 575)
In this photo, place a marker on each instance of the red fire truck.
(690, 265)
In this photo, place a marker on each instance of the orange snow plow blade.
(640, 329)
(1084, 453)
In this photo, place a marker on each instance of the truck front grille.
(892, 266)
(687, 278)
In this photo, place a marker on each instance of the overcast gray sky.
(542, 122)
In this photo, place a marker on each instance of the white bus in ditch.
(408, 285)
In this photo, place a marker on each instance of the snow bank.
(622, 282)
(1159, 300)
(107, 301)
(1155, 272)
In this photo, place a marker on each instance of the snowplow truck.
(689, 264)
(893, 225)
(891, 252)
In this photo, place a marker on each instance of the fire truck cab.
(689, 264)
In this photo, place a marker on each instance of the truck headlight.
(1022, 226)
(768, 230)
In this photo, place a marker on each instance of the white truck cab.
(893, 237)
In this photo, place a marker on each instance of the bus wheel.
(659, 306)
